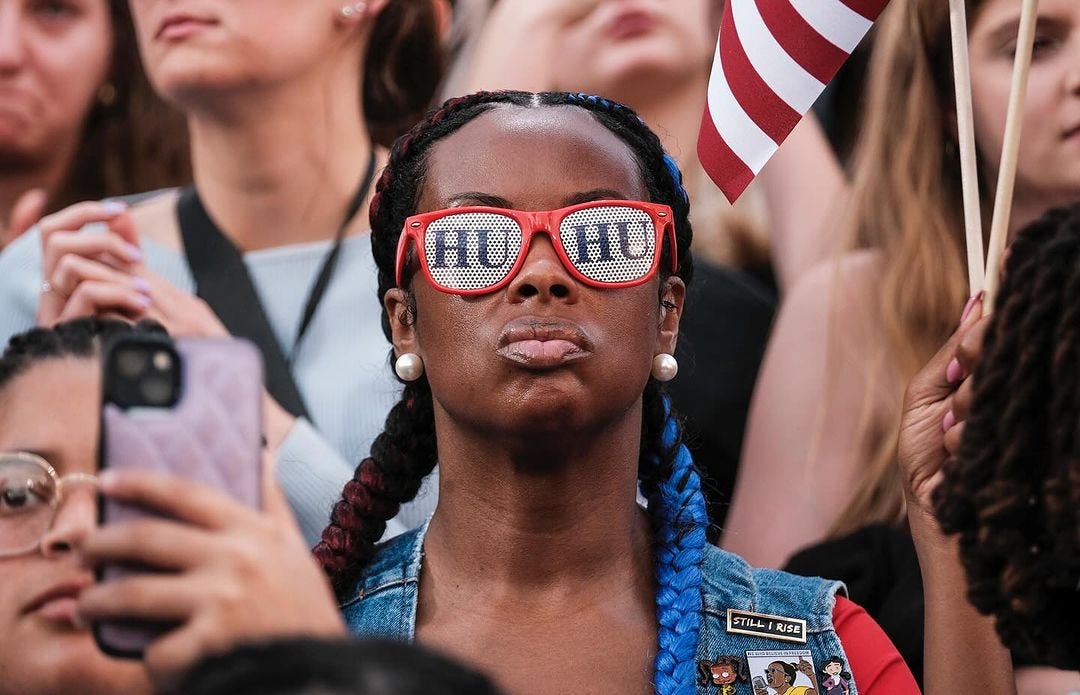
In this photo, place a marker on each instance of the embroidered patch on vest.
(790, 671)
(764, 625)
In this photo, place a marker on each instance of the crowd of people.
(665, 444)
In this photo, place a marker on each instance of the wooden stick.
(969, 176)
(999, 227)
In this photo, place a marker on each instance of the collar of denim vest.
(396, 562)
(727, 582)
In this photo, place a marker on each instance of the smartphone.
(190, 408)
(759, 685)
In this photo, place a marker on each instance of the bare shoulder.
(841, 294)
(155, 218)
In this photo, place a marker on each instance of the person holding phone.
(49, 382)
(289, 105)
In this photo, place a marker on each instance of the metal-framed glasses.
(476, 250)
(31, 493)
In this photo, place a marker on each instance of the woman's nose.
(543, 275)
(75, 517)
(12, 38)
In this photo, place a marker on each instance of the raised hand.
(91, 274)
(935, 404)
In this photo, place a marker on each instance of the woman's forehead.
(532, 157)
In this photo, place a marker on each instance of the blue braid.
(607, 105)
(679, 520)
(676, 176)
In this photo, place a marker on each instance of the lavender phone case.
(212, 435)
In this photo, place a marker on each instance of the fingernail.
(141, 284)
(113, 207)
(948, 422)
(977, 297)
(144, 300)
(954, 373)
(134, 253)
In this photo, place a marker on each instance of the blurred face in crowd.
(1048, 170)
(54, 57)
(193, 49)
(619, 48)
(50, 410)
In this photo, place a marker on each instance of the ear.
(354, 13)
(672, 298)
(401, 309)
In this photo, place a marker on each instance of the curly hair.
(1013, 492)
(406, 451)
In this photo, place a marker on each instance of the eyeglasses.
(30, 495)
(476, 250)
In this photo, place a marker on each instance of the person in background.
(988, 455)
(1011, 490)
(78, 119)
(852, 333)
(49, 383)
(656, 56)
(288, 105)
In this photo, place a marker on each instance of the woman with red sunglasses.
(533, 254)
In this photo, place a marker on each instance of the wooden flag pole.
(966, 135)
(999, 227)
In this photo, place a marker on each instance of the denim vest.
(383, 604)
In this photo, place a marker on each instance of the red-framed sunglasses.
(476, 250)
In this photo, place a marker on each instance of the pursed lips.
(543, 342)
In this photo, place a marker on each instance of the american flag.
(773, 59)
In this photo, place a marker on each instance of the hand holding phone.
(229, 571)
(189, 408)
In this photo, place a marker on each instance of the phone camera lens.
(131, 363)
(158, 391)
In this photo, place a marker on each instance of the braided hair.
(1013, 492)
(406, 450)
(81, 339)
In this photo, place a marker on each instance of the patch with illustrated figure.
(723, 672)
(765, 625)
(782, 672)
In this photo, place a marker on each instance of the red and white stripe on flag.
(773, 59)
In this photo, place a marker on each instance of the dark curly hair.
(1013, 492)
(80, 338)
(406, 451)
(299, 666)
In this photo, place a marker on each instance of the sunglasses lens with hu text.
(607, 244)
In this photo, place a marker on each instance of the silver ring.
(46, 287)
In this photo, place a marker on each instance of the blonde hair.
(906, 204)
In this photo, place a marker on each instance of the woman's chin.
(69, 661)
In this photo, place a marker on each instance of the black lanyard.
(222, 281)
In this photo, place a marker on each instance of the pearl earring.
(350, 11)
(664, 367)
(409, 367)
